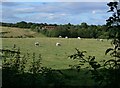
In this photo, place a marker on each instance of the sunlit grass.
(17, 32)
(57, 56)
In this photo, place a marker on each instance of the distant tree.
(84, 30)
(93, 31)
(22, 24)
(84, 25)
(29, 24)
(73, 32)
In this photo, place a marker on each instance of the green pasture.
(57, 56)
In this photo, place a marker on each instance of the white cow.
(60, 36)
(79, 38)
(101, 40)
(58, 44)
(66, 37)
(37, 44)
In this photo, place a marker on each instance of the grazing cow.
(79, 38)
(58, 44)
(101, 40)
(66, 37)
(37, 44)
(60, 36)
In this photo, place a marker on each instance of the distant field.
(18, 32)
(57, 56)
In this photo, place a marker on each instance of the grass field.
(57, 56)
(17, 32)
(54, 56)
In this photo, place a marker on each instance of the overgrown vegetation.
(107, 74)
(15, 74)
(82, 30)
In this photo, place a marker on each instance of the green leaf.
(93, 58)
(110, 61)
(118, 60)
(116, 46)
(108, 50)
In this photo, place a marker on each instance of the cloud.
(93, 12)
(25, 10)
(99, 12)
(51, 12)
(8, 4)
(71, 7)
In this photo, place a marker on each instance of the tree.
(84, 25)
(22, 24)
(114, 21)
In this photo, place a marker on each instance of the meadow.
(54, 56)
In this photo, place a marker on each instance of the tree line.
(82, 30)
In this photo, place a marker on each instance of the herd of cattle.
(59, 44)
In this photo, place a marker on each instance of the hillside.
(10, 32)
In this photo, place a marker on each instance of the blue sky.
(55, 12)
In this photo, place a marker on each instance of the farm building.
(49, 27)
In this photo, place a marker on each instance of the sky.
(57, 0)
(55, 12)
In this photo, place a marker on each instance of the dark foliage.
(107, 74)
(15, 75)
